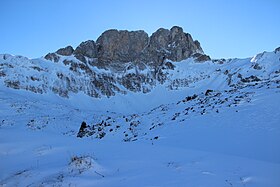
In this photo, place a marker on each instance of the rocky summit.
(122, 46)
(119, 61)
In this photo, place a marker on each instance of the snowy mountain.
(70, 119)
(107, 67)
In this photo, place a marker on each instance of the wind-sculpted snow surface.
(215, 123)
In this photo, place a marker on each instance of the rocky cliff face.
(172, 44)
(123, 46)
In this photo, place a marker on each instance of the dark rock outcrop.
(252, 78)
(52, 57)
(201, 57)
(86, 49)
(83, 130)
(122, 46)
(172, 44)
(67, 51)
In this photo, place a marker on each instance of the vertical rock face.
(121, 46)
(172, 44)
(86, 49)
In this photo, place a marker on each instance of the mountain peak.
(122, 46)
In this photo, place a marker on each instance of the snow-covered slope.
(71, 78)
(215, 123)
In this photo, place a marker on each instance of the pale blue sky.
(225, 28)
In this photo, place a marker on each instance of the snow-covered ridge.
(70, 76)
